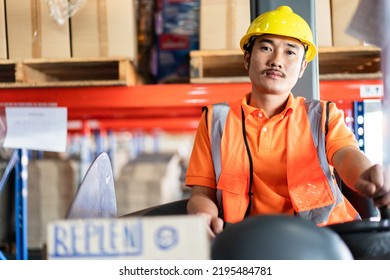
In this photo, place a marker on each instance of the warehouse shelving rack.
(174, 108)
(18, 161)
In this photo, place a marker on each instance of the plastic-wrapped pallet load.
(177, 34)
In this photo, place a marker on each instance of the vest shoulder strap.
(327, 117)
(317, 106)
(219, 115)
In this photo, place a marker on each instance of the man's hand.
(356, 170)
(215, 225)
(202, 202)
(375, 183)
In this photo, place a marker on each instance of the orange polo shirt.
(267, 142)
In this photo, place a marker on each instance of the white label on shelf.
(371, 91)
(159, 237)
(36, 128)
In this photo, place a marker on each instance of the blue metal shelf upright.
(358, 124)
(18, 161)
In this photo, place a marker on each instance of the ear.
(303, 67)
(247, 58)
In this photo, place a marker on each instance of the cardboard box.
(51, 187)
(342, 13)
(3, 38)
(223, 23)
(103, 28)
(324, 23)
(32, 33)
(182, 237)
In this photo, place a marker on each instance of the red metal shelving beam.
(346, 90)
(145, 96)
(132, 113)
(182, 124)
(150, 96)
(166, 124)
(145, 105)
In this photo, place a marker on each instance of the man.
(273, 153)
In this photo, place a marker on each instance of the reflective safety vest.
(313, 191)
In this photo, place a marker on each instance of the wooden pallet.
(357, 62)
(217, 67)
(361, 62)
(67, 72)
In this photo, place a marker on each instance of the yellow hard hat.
(282, 21)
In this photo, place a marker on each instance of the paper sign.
(182, 237)
(42, 129)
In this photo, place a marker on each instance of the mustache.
(274, 71)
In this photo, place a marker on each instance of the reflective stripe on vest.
(314, 112)
(319, 215)
(220, 112)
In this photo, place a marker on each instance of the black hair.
(249, 46)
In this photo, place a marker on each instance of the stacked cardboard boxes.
(3, 38)
(224, 22)
(32, 33)
(342, 13)
(99, 28)
(51, 184)
(149, 180)
(324, 23)
(105, 28)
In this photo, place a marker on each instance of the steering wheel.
(367, 239)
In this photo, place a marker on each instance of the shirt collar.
(248, 110)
